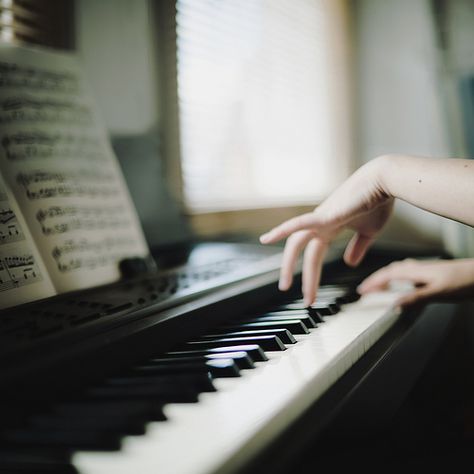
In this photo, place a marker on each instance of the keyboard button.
(293, 326)
(303, 317)
(267, 343)
(218, 367)
(253, 351)
(285, 336)
(241, 359)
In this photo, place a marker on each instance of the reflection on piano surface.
(245, 365)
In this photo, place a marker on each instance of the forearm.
(442, 186)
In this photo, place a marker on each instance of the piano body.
(208, 369)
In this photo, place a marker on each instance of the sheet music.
(57, 161)
(23, 277)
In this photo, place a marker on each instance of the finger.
(356, 249)
(302, 222)
(312, 266)
(293, 247)
(415, 297)
(380, 279)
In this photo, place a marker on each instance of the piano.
(207, 369)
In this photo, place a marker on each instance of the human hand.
(432, 279)
(361, 204)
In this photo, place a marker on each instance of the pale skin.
(363, 204)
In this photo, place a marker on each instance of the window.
(43, 22)
(263, 101)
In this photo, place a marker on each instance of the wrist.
(384, 174)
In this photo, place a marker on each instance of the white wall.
(115, 41)
(398, 97)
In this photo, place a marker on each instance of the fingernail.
(264, 238)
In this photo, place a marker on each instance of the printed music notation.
(60, 220)
(18, 270)
(76, 254)
(16, 76)
(44, 184)
(23, 109)
(10, 230)
(31, 145)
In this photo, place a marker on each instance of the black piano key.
(241, 359)
(294, 326)
(118, 424)
(138, 410)
(90, 440)
(284, 335)
(253, 351)
(145, 391)
(298, 315)
(303, 317)
(322, 309)
(27, 460)
(267, 343)
(218, 367)
(199, 380)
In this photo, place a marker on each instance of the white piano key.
(226, 428)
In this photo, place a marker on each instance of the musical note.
(29, 145)
(82, 183)
(16, 76)
(18, 270)
(60, 220)
(10, 230)
(74, 254)
(6, 215)
(23, 108)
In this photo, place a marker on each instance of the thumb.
(356, 249)
(417, 296)
(380, 279)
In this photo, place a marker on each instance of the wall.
(116, 40)
(399, 105)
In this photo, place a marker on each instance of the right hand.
(431, 279)
(361, 204)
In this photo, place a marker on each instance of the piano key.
(261, 405)
(198, 381)
(118, 424)
(284, 335)
(27, 460)
(304, 317)
(322, 308)
(253, 351)
(65, 438)
(146, 410)
(293, 326)
(145, 391)
(217, 367)
(241, 359)
(267, 343)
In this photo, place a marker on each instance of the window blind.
(42, 22)
(263, 99)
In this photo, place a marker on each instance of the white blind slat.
(260, 94)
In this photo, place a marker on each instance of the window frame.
(222, 222)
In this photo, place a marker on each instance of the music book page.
(59, 168)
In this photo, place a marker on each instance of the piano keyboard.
(210, 404)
